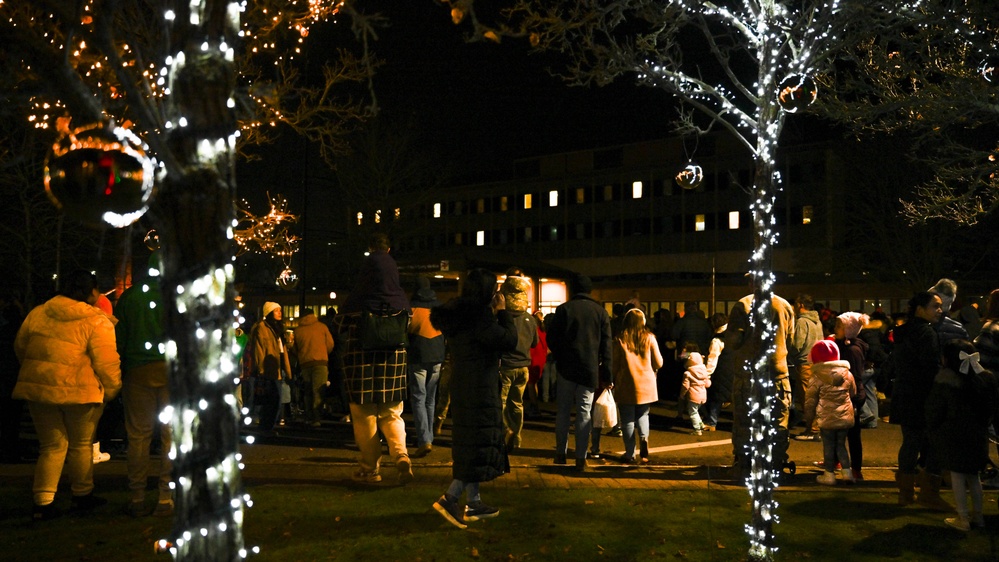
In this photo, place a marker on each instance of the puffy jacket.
(828, 396)
(68, 355)
(696, 381)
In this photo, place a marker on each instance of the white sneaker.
(100, 457)
(826, 478)
(847, 475)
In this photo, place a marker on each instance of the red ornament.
(797, 92)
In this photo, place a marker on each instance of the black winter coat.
(958, 412)
(580, 340)
(916, 360)
(476, 340)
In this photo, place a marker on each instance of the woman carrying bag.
(635, 362)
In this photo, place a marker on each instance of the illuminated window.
(480, 206)
(378, 216)
(437, 210)
(527, 200)
(806, 214)
(699, 223)
(553, 198)
(396, 213)
(504, 205)
(636, 190)
(480, 238)
(580, 195)
(360, 218)
(733, 220)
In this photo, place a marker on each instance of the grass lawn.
(337, 522)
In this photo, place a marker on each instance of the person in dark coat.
(959, 409)
(916, 359)
(478, 330)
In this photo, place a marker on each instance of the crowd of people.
(486, 360)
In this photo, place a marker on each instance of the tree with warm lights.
(742, 66)
(188, 78)
(932, 78)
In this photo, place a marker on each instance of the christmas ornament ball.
(152, 240)
(990, 69)
(797, 92)
(690, 177)
(99, 176)
(287, 279)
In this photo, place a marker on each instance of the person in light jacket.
(636, 359)
(69, 370)
(829, 404)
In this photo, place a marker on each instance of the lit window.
(504, 206)
(699, 223)
(480, 206)
(396, 213)
(527, 200)
(733, 220)
(378, 216)
(553, 198)
(360, 218)
(580, 195)
(806, 214)
(636, 190)
(437, 210)
(480, 238)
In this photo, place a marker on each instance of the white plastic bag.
(605, 410)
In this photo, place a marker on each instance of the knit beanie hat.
(270, 307)
(824, 351)
(694, 359)
(853, 323)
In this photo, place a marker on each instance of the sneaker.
(366, 477)
(808, 436)
(100, 457)
(697, 432)
(46, 512)
(477, 510)
(709, 428)
(163, 509)
(959, 523)
(405, 468)
(595, 456)
(559, 458)
(826, 478)
(88, 502)
(450, 511)
(137, 509)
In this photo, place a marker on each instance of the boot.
(826, 478)
(847, 475)
(100, 457)
(643, 450)
(929, 494)
(906, 488)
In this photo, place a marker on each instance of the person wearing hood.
(807, 331)
(426, 354)
(515, 364)
(853, 350)
(478, 330)
(69, 369)
(829, 404)
(947, 328)
(313, 345)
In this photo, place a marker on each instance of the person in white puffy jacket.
(69, 370)
(827, 400)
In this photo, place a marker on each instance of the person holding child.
(829, 404)
(959, 409)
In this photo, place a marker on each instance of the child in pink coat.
(828, 399)
(696, 381)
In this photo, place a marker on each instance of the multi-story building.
(617, 215)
